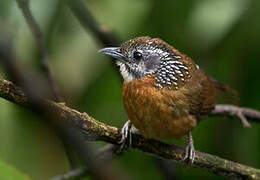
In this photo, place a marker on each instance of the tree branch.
(105, 154)
(241, 112)
(35, 29)
(95, 130)
(88, 22)
(106, 37)
(75, 173)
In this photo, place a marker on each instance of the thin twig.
(35, 29)
(244, 114)
(95, 130)
(106, 37)
(72, 174)
(86, 19)
(105, 154)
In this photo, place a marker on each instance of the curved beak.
(114, 52)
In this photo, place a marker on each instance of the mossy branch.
(95, 130)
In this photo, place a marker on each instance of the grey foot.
(126, 136)
(190, 151)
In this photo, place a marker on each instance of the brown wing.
(203, 97)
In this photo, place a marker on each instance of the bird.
(165, 93)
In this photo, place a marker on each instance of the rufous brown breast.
(158, 113)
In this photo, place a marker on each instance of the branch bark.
(95, 130)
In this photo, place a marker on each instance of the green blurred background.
(222, 36)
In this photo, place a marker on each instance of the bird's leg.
(190, 151)
(126, 135)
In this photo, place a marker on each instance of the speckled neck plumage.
(172, 72)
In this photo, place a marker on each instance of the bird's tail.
(225, 94)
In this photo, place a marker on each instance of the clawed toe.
(190, 151)
(126, 136)
(189, 154)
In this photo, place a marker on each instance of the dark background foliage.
(221, 36)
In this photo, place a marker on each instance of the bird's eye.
(137, 55)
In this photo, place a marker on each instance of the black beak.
(114, 52)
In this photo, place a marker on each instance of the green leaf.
(8, 172)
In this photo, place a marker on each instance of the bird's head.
(144, 56)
